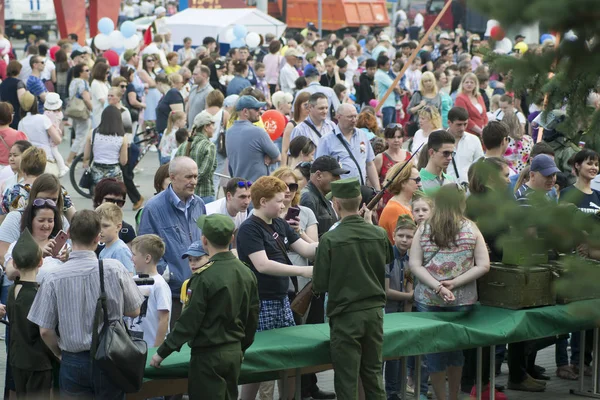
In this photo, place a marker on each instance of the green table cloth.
(405, 334)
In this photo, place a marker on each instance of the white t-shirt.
(418, 140)
(220, 207)
(99, 90)
(48, 264)
(157, 298)
(49, 66)
(499, 115)
(36, 128)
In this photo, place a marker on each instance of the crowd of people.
(241, 223)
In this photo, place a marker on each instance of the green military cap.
(217, 228)
(26, 253)
(347, 188)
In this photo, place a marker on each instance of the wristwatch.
(301, 232)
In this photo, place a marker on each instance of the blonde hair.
(523, 177)
(495, 102)
(432, 114)
(111, 212)
(421, 196)
(428, 75)
(470, 75)
(515, 130)
(397, 184)
(283, 173)
(174, 78)
(280, 96)
(174, 116)
(149, 244)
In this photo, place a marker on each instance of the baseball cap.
(219, 65)
(77, 53)
(230, 100)
(195, 250)
(249, 102)
(384, 38)
(444, 35)
(204, 118)
(310, 70)
(311, 27)
(292, 53)
(217, 228)
(519, 37)
(86, 50)
(327, 164)
(128, 55)
(544, 164)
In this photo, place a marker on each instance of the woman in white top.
(41, 133)
(99, 90)
(108, 146)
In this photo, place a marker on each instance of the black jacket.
(365, 89)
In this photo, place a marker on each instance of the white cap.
(384, 38)
(159, 10)
(204, 118)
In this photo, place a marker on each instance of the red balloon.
(497, 33)
(274, 122)
(112, 57)
(53, 51)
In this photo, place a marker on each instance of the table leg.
(417, 377)
(479, 378)
(298, 388)
(284, 385)
(595, 362)
(404, 376)
(492, 372)
(595, 379)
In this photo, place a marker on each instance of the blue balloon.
(120, 50)
(128, 29)
(237, 43)
(106, 25)
(240, 31)
(545, 37)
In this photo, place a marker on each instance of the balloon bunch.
(118, 40)
(238, 36)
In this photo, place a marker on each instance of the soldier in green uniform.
(350, 266)
(220, 319)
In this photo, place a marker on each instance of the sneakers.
(139, 204)
(485, 394)
(528, 385)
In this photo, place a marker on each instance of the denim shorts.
(439, 362)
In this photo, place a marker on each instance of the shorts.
(275, 314)
(439, 362)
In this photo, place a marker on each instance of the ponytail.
(174, 116)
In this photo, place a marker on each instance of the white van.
(23, 17)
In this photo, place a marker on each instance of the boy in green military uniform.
(220, 319)
(360, 251)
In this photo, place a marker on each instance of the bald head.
(346, 115)
(183, 172)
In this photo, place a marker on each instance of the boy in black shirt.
(29, 357)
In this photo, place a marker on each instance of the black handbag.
(120, 356)
(86, 181)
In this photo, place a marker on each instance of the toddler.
(53, 110)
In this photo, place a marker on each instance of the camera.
(143, 280)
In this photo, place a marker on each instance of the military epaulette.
(204, 267)
(186, 290)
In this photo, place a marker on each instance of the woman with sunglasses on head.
(110, 190)
(80, 88)
(148, 74)
(402, 189)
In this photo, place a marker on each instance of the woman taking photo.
(471, 100)
(11, 90)
(108, 146)
(80, 88)
(427, 95)
(203, 152)
(148, 76)
(99, 91)
(402, 190)
(240, 80)
(447, 256)
(299, 115)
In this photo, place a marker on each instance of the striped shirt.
(68, 295)
(37, 87)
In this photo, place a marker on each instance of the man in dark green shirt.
(220, 318)
(350, 266)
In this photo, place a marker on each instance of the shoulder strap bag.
(362, 180)
(76, 108)
(313, 128)
(120, 356)
(86, 181)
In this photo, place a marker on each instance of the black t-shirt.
(164, 108)
(252, 237)
(587, 203)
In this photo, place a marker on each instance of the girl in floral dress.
(519, 144)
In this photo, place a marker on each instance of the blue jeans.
(389, 115)
(439, 362)
(80, 378)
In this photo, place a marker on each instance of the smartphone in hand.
(292, 213)
(59, 242)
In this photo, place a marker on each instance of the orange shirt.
(389, 217)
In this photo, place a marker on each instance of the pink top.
(273, 64)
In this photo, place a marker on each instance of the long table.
(306, 348)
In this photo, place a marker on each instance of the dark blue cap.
(195, 250)
(310, 70)
(544, 164)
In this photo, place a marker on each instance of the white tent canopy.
(199, 23)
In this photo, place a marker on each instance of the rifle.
(375, 200)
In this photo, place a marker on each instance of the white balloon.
(131, 42)
(229, 37)
(504, 46)
(253, 40)
(116, 39)
(102, 41)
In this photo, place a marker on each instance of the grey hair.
(343, 107)
(177, 162)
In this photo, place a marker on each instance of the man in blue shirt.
(388, 108)
(313, 77)
(34, 82)
(172, 215)
(351, 147)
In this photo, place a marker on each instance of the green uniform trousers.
(214, 372)
(356, 350)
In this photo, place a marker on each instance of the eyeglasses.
(246, 184)
(448, 153)
(43, 202)
(123, 86)
(292, 186)
(150, 60)
(119, 202)
(417, 180)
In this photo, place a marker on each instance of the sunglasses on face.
(150, 60)
(292, 186)
(119, 202)
(246, 185)
(123, 86)
(43, 202)
(417, 180)
(448, 154)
